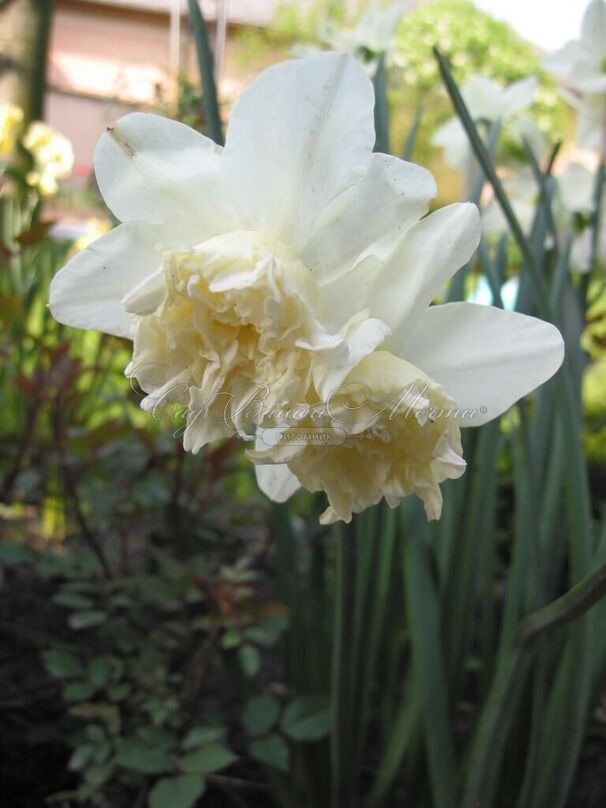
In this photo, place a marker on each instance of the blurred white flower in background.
(487, 103)
(522, 193)
(581, 65)
(283, 262)
(591, 120)
(573, 208)
(576, 187)
(52, 154)
(370, 39)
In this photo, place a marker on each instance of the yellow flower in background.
(11, 118)
(53, 157)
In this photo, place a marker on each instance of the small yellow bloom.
(11, 118)
(53, 157)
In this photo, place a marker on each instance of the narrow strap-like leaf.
(210, 102)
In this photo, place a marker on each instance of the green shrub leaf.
(250, 659)
(207, 759)
(87, 619)
(141, 758)
(307, 718)
(99, 670)
(78, 691)
(272, 750)
(260, 714)
(199, 736)
(62, 664)
(177, 792)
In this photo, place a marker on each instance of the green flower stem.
(342, 742)
(566, 608)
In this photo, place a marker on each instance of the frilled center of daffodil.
(402, 438)
(236, 314)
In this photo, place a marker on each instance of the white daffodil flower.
(225, 267)
(284, 261)
(488, 102)
(581, 65)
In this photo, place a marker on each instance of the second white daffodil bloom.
(287, 261)
(396, 418)
(388, 431)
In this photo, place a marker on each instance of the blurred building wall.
(108, 58)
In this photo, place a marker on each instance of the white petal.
(390, 198)
(484, 358)
(593, 30)
(577, 187)
(520, 95)
(562, 62)
(276, 481)
(527, 130)
(343, 296)
(428, 255)
(587, 79)
(152, 168)
(301, 133)
(361, 339)
(590, 123)
(202, 428)
(452, 138)
(88, 291)
(484, 98)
